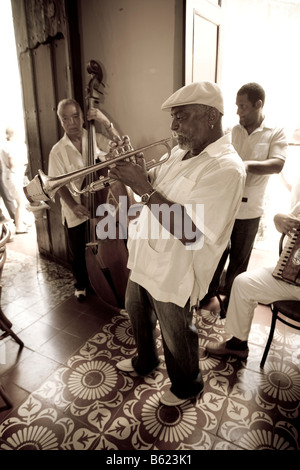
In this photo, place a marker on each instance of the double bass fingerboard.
(288, 266)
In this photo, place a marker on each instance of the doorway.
(10, 85)
(12, 115)
(253, 41)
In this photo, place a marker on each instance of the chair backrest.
(289, 308)
(5, 234)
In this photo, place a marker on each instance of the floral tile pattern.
(87, 404)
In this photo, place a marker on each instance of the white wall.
(139, 44)
(11, 113)
(260, 44)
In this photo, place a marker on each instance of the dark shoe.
(225, 349)
(206, 299)
(90, 291)
(223, 305)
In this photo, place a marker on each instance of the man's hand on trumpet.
(132, 172)
(119, 146)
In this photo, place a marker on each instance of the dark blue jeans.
(239, 251)
(179, 336)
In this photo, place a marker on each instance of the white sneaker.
(123, 312)
(80, 294)
(125, 365)
(169, 399)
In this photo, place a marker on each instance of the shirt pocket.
(260, 152)
(168, 269)
(181, 190)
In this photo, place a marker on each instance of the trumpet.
(44, 188)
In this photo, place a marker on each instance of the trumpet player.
(171, 272)
(71, 153)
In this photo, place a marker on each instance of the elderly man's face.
(71, 120)
(189, 126)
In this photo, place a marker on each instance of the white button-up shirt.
(212, 181)
(64, 158)
(263, 143)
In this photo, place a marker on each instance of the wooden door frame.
(40, 24)
(211, 12)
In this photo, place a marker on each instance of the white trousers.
(249, 289)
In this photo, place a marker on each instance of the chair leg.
(4, 319)
(5, 398)
(270, 338)
(5, 325)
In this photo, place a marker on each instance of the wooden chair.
(283, 311)
(5, 324)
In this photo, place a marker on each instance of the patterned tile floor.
(68, 395)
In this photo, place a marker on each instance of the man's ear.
(213, 116)
(258, 104)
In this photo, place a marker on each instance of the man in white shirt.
(171, 268)
(251, 288)
(13, 162)
(262, 147)
(70, 154)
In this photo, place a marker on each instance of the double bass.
(106, 256)
(106, 259)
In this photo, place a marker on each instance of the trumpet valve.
(150, 164)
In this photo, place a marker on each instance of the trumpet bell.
(34, 190)
(43, 187)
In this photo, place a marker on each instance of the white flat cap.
(208, 93)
